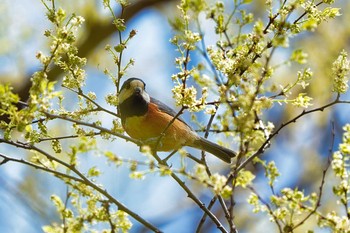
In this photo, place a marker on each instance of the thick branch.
(80, 178)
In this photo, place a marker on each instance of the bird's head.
(133, 88)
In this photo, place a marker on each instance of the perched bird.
(145, 118)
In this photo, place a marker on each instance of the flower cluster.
(216, 181)
(340, 165)
(286, 208)
(340, 70)
(75, 221)
(316, 16)
(302, 100)
(187, 97)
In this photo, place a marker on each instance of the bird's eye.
(128, 86)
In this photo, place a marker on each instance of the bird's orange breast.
(151, 125)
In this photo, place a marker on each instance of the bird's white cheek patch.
(146, 97)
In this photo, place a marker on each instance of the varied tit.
(145, 118)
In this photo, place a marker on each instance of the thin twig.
(268, 208)
(293, 120)
(220, 198)
(92, 125)
(204, 217)
(36, 166)
(264, 146)
(67, 137)
(191, 195)
(199, 203)
(65, 227)
(320, 189)
(301, 16)
(99, 107)
(111, 224)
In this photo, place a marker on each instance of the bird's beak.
(137, 90)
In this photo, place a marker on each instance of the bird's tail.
(219, 151)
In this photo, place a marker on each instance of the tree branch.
(81, 179)
(191, 195)
(92, 125)
(293, 120)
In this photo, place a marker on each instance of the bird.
(147, 119)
